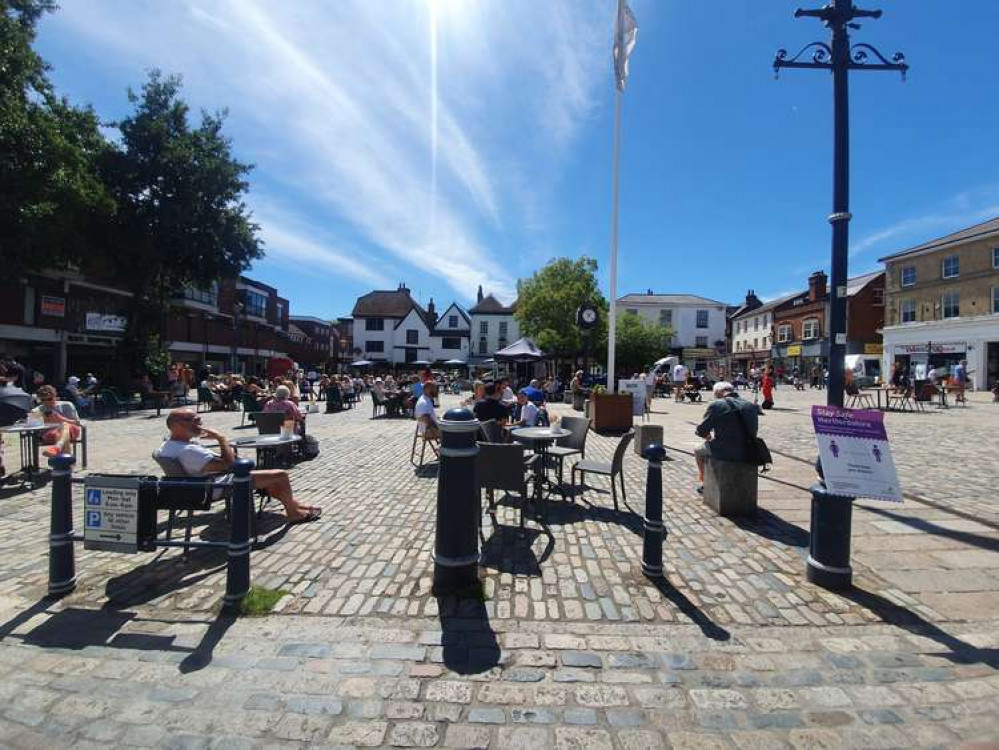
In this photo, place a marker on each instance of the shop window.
(951, 305)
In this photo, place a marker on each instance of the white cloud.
(331, 101)
(966, 208)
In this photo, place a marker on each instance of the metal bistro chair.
(176, 498)
(903, 400)
(858, 400)
(503, 466)
(571, 445)
(422, 437)
(492, 432)
(251, 407)
(613, 470)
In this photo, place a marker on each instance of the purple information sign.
(856, 457)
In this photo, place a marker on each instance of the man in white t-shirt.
(679, 373)
(197, 461)
(425, 414)
(528, 410)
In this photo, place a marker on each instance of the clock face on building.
(587, 316)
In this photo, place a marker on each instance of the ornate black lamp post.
(828, 563)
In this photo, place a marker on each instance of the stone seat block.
(730, 487)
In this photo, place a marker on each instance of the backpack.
(310, 447)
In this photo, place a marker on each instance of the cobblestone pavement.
(572, 648)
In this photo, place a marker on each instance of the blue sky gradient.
(725, 172)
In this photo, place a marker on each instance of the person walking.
(768, 389)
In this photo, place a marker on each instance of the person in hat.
(80, 401)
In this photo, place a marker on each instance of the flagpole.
(612, 317)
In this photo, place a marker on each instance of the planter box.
(611, 412)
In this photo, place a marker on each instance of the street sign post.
(111, 514)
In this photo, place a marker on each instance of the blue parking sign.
(93, 497)
(93, 519)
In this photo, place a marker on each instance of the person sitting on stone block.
(729, 423)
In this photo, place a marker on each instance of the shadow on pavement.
(75, 628)
(891, 613)
(470, 645)
(507, 550)
(966, 537)
(773, 527)
(709, 627)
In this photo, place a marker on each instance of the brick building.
(237, 318)
(62, 324)
(313, 342)
(801, 321)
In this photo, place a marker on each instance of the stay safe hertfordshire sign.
(111, 513)
(855, 454)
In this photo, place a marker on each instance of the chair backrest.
(500, 466)
(579, 427)
(110, 398)
(618, 463)
(250, 402)
(491, 431)
(170, 467)
(269, 422)
(9, 414)
(851, 389)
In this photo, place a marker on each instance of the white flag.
(625, 31)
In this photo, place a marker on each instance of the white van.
(866, 368)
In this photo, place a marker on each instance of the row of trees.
(546, 311)
(150, 202)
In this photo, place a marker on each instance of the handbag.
(757, 451)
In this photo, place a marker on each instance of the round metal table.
(540, 438)
(29, 435)
(266, 446)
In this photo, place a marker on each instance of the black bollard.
(62, 560)
(828, 562)
(655, 530)
(456, 547)
(237, 579)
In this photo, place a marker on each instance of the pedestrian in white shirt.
(528, 410)
(425, 414)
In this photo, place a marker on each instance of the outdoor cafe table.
(877, 396)
(540, 438)
(266, 446)
(29, 436)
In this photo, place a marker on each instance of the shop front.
(918, 347)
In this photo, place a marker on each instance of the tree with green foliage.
(547, 304)
(53, 204)
(640, 342)
(181, 219)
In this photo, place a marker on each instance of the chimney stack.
(431, 312)
(816, 286)
(480, 294)
(752, 301)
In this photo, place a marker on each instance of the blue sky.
(725, 172)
